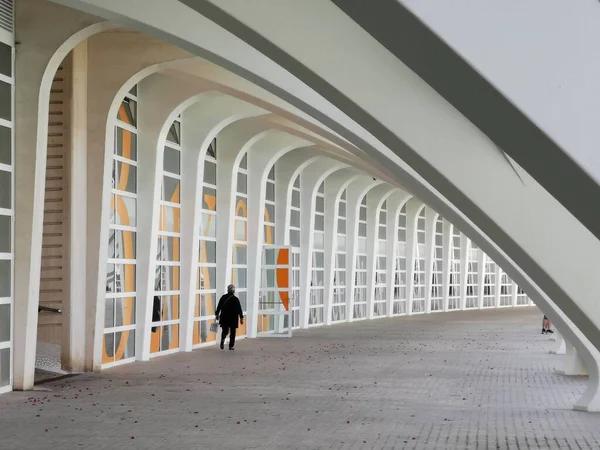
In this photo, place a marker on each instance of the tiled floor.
(474, 380)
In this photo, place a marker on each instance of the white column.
(481, 258)
(412, 209)
(514, 294)
(312, 177)
(447, 248)
(498, 283)
(465, 250)
(75, 321)
(430, 219)
(41, 49)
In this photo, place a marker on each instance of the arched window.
(317, 289)
(294, 241)
(380, 300)
(418, 304)
(167, 284)
(360, 286)
(400, 266)
(437, 284)
(206, 278)
(120, 300)
(338, 309)
(489, 284)
(472, 297)
(239, 271)
(455, 271)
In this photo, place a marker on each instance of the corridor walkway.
(470, 380)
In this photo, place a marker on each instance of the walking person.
(228, 311)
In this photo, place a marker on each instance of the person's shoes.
(543, 331)
(231, 348)
(222, 345)
(550, 331)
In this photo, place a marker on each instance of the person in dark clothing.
(228, 311)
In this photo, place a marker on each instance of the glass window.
(210, 252)
(239, 277)
(5, 278)
(125, 244)
(210, 172)
(127, 177)
(5, 190)
(4, 367)
(294, 218)
(240, 206)
(319, 241)
(169, 219)
(212, 149)
(124, 311)
(209, 225)
(319, 222)
(172, 160)
(124, 278)
(342, 209)
(174, 134)
(5, 101)
(269, 213)
(270, 194)
(241, 230)
(125, 210)
(297, 182)
(5, 59)
(295, 238)
(363, 214)
(5, 145)
(129, 338)
(242, 183)
(133, 90)
(362, 229)
(341, 226)
(5, 234)
(341, 243)
(244, 162)
(4, 323)
(128, 112)
(320, 204)
(207, 276)
(296, 198)
(209, 199)
(126, 143)
(322, 188)
(170, 189)
(240, 254)
(109, 313)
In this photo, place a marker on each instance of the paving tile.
(472, 380)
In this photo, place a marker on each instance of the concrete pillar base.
(574, 365)
(560, 346)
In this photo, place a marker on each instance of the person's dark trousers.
(231, 332)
